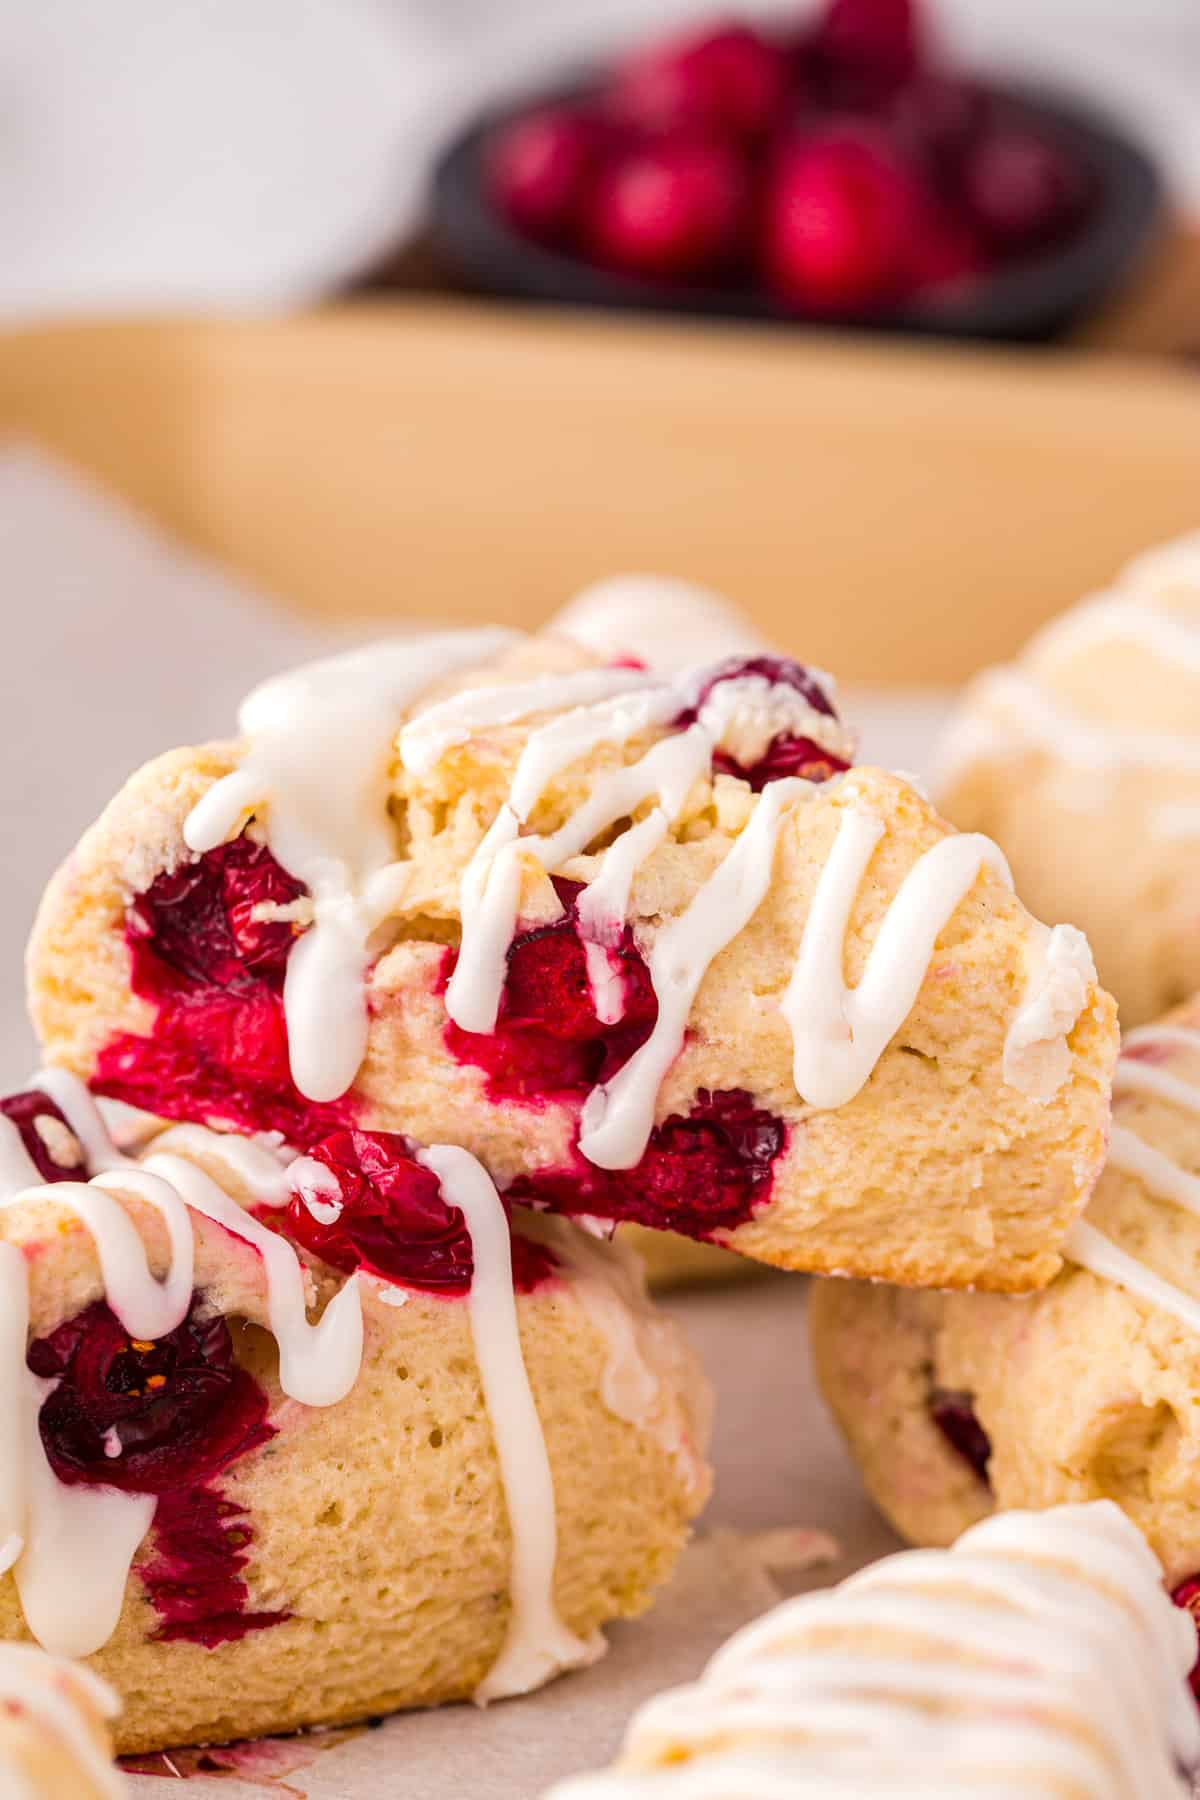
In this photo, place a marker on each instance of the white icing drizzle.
(1039, 1655)
(839, 1033)
(1159, 1174)
(53, 1694)
(69, 1548)
(426, 739)
(319, 744)
(618, 1116)
(1014, 706)
(537, 1644)
(491, 888)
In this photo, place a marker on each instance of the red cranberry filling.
(25, 1110)
(194, 1578)
(214, 972)
(548, 1042)
(785, 754)
(394, 1222)
(176, 1411)
(954, 1415)
(163, 1418)
(703, 1171)
(1187, 1597)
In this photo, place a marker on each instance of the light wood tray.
(898, 514)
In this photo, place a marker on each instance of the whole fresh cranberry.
(539, 168)
(946, 251)
(935, 118)
(49, 1142)
(955, 1417)
(145, 1416)
(727, 79)
(668, 210)
(867, 48)
(1022, 189)
(839, 215)
(390, 1219)
(1187, 1597)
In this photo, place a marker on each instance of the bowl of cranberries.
(838, 172)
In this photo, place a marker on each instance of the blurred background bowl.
(1029, 300)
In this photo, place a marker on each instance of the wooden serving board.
(898, 513)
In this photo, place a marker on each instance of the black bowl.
(1030, 300)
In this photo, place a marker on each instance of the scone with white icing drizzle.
(1082, 760)
(650, 949)
(955, 1404)
(1039, 1657)
(55, 1738)
(293, 1440)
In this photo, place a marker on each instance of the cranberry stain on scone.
(650, 948)
(333, 1410)
(955, 1404)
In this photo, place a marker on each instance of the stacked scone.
(323, 1393)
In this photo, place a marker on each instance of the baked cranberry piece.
(840, 212)
(954, 1415)
(147, 1417)
(162, 1417)
(702, 1171)
(548, 1042)
(1187, 1597)
(669, 210)
(49, 1142)
(199, 918)
(1022, 189)
(539, 169)
(389, 1218)
(786, 754)
(727, 79)
(214, 972)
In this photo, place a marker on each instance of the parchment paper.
(120, 645)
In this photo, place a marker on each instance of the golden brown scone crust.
(1084, 1391)
(936, 1171)
(380, 1523)
(45, 1765)
(1089, 842)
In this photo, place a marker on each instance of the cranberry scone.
(1038, 1657)
(289, 1441)
(55, 1741)
(956, 1404)
(1082, 760)
(650, 949)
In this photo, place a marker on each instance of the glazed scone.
(595, 928)
(1040, 1657)
(247, 1517)
(1082, 760)
(55, 1742)
(955, 1404)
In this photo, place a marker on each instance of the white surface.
(223, 155)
